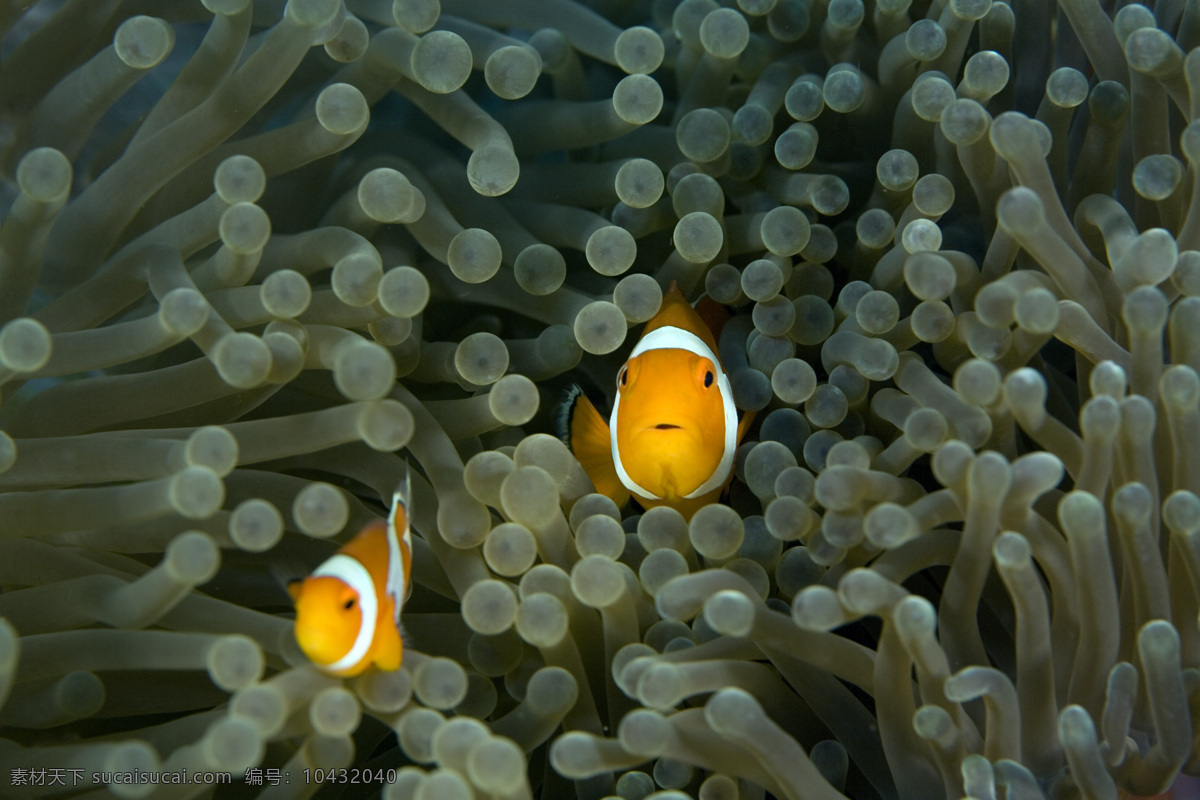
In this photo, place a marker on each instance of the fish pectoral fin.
(744, 425)
(389, 649)
(589, 440)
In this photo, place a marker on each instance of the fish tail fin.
(402, 495)
(401, 508)
(587, 434)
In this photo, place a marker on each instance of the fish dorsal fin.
(677, 312)
(399, 545)
(350, 571)
(713, 315)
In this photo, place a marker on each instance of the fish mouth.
(666, 426)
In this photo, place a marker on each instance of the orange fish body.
(671, 437)
(348, 609)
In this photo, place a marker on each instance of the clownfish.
(348, 609)
(674, 428)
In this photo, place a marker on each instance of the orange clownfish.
(348, 609)
(674, 428)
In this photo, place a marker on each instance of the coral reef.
(262, 259)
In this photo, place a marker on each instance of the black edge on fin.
(564, 412)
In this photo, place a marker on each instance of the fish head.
(328, 619)
(669, 428)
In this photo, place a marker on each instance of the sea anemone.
(263, 260)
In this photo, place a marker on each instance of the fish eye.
(622, 376)
(708, 379)
(349, 604)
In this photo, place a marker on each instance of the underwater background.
(260, 260)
